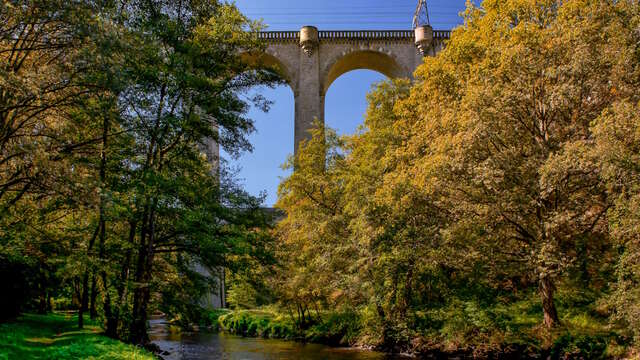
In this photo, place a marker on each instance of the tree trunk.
(142, 294)
(223, 300)
(107, 300)
(84, 299)
(138, 329)
(103, 225)
(141, 298)
(93, 311)
(42, 296)
(547, 289)
(49, 302)
(315, 304)
(106, 305)
(386, 333)
(407, 292)
(114, 320)
(76, 296)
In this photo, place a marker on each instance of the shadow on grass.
(56, 336)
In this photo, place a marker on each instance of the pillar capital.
(309, 39)
(424, 38)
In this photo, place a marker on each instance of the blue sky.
(345, 102)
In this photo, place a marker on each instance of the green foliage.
(57, 337)
(243, 296)
(247, 287)
(336, 328)
(258, 323)
(207, 319)
(462, 320)
(579, 347)
(333, 328)
(111, 195)
(617, 136)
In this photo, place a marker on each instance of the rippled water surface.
(203, 346)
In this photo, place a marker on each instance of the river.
(214, 346)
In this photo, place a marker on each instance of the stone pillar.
(309, 99)
(215, 298)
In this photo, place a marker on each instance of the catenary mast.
(422, 28)
(421, 17)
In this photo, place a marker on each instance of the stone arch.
(379, 61)
(264, 60)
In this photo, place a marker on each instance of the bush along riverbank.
(201, 320)
(335, 329)
(56, 336)
(464, 330)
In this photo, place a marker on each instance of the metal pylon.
(421, 17)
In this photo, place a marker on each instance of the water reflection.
(207, 346)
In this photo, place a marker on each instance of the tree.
(617, 141)
(356, 237)
(394, 224)
(39, 44)
(314, 239)
(106, 110)
(42, 44)
(480, 173)
(188, 76)
(500, 118)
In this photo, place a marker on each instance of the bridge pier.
(309, 107)
(309, 97)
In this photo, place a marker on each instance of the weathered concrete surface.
(310, 65)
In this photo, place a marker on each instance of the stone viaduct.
(311, 60)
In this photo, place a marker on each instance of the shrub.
(337, 329)
(570, 346)
(256, 323)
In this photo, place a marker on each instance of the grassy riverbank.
(464, 328)
(56, 336)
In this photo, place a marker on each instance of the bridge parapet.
(442, 34)
(328, 35)
(366, 35)
(279, 36)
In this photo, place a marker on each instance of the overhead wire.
(340, 14)
(353, 15)
(337, 8)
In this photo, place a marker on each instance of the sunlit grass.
(56, 336)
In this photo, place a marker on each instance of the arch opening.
(346, 100)
(363, 60)
(259, 172)
(263, 60)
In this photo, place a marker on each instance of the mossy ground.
(56, 336)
